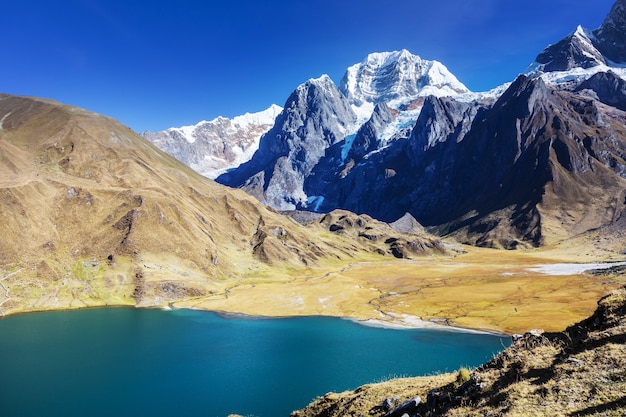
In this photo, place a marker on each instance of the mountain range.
(211, 147)
(531, 163)
(400, 144)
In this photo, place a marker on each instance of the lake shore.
(483, 290)
(391, 322)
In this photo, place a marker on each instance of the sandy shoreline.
(405, 321)
(395, 321)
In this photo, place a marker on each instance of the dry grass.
(94, 215)
(368, 399)
(481, 289)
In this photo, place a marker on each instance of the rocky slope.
(520, 171)
(92, 214)
(324, 128)
(316, 116)
(604, 46)
(215, 146)
(579, 372)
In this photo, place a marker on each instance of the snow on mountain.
(485, 96)
(584, 53)
(398, 79)
(578, 74)
(212, 147)
(398, 75)
(577, 50)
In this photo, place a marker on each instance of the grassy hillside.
(92, 214)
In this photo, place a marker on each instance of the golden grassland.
(483, 289)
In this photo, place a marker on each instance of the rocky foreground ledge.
(578, 372)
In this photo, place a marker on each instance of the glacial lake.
(130, 362)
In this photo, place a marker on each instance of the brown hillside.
(92, 214)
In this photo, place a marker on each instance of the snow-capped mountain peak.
(577, 50)
(323, 82)
(397, 75)
(584, 53)
(264, 117)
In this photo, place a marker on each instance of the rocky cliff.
(324, 129)
(521, 171)
(315, 117)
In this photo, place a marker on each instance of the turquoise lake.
(130, 362)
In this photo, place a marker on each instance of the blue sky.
(157, 64)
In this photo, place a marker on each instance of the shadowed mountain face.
(607, 87)
(536, 166)
(539, 164)
(93, 214)
(315, 117)
(323, 128)
(610, 38)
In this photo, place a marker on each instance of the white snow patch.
(363, 113)
(572, 269)
(243, 122)
(399, 74)
(585, 37)
(575, 75)
(405, 120)
(264, 117)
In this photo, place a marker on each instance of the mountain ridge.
(285, 159)
(212, 147)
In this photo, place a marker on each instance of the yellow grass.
(481, 289)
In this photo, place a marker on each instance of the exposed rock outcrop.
(315, 117)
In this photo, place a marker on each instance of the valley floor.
(473, 288)
(481, 289)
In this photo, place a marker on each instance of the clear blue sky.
(157, 64)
